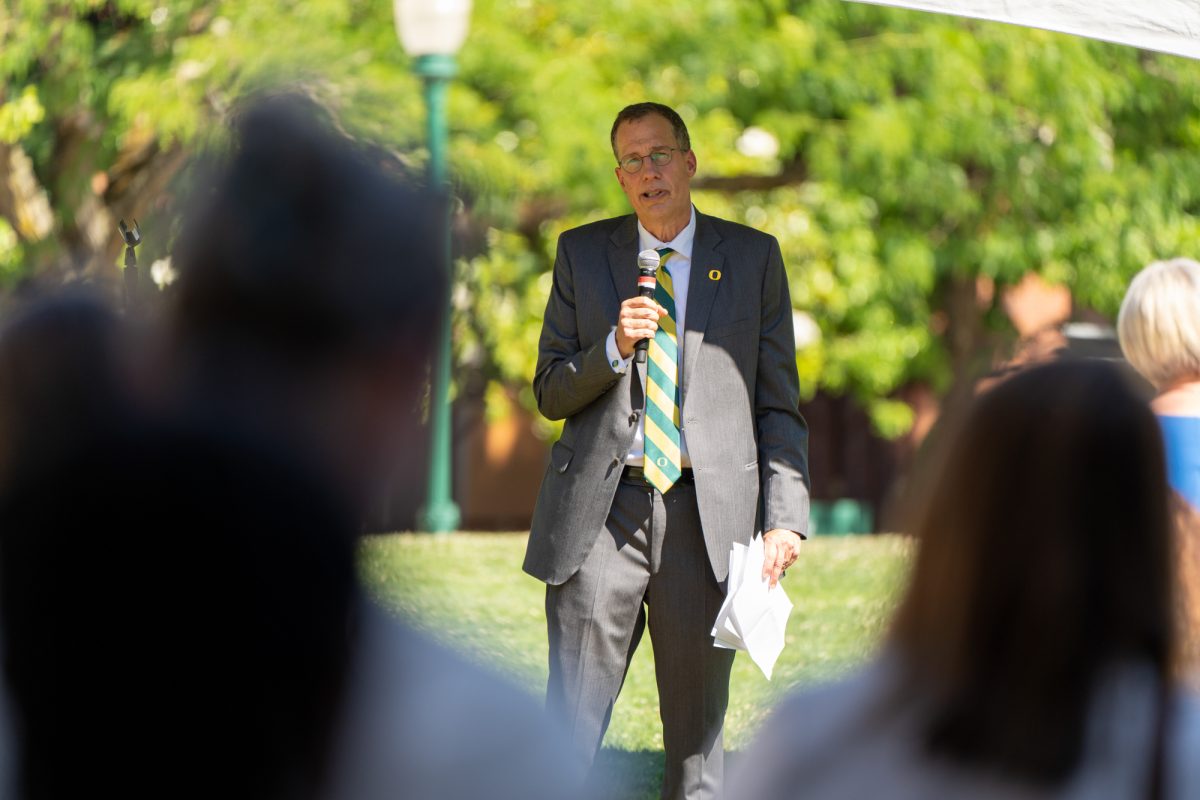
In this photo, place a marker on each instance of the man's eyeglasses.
(659, 158)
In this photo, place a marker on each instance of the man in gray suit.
(662, 466)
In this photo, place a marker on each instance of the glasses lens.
(631, 164)
(661, 157)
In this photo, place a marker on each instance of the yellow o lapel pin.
(714, 274)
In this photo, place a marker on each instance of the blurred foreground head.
(177, 619)
(310, 291)
(175, 605)
(62, 379)
(1044, 561)
(178, 594)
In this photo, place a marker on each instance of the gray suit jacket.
(739, 392)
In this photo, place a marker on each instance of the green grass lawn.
(469, 591)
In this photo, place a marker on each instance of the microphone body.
(647, 283)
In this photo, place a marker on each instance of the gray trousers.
(648, 564)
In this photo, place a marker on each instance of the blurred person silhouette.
(175, 611)
(180, 606)
(173, 604)
(61, 384)
(1030, 656)
(1159, 330)
(309, 299)
(63, 377)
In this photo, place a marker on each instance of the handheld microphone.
(647, 283)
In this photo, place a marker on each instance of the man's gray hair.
(639, 110)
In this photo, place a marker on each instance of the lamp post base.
(443, 517)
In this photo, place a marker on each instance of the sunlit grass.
(468, 590)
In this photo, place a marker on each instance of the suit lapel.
(701, 292)
(622, 259)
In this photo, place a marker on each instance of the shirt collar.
(681, 244)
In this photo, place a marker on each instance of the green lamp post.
(432, 31)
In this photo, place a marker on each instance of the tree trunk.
(971, 346)
(23, 200)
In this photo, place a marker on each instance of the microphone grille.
(648, 259)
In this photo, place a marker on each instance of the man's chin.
(658, 209)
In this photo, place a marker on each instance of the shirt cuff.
(615, 361)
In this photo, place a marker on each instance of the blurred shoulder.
(815, 735)
(423, 721)
(1185, 751)
(840, 709)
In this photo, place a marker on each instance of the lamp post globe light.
(432, 31)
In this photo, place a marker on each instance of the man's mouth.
(654, 194)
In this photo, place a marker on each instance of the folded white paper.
(754, 615)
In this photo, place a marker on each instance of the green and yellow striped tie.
(661, 435)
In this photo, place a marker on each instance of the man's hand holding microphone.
(638, 320)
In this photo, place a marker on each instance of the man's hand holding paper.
(755, 612)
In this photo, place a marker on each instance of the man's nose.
(650, 169)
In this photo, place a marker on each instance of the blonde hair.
(1159, 322)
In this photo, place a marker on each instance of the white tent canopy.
(1168, 26)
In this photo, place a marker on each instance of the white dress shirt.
(680, 267)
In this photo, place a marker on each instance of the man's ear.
(691, 163)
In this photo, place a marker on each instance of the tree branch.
(23, 200)
(791, 175)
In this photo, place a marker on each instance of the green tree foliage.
(904, 160)
(103, 102)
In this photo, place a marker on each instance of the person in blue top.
(1159, 330)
